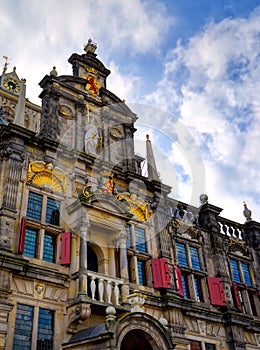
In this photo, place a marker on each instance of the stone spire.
(151, 165)
(20, 107)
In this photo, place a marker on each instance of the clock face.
(92, 85)
(12, 85)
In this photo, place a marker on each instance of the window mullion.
(132, 236)
(35, 327)
(241, 274)
(44, 206)
(187, 249)
(40, 243)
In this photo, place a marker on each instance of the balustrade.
(231, 228)
(105, 288)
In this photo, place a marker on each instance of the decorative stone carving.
(136, 300)
(6, 229)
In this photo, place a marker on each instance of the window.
(244, 294)
(189, 278)
(136, 238)
(25, 322)
(137, 254)
(34, 207)
(45, 330)
(185, 285)
(36, 210)
(23, 327)
(188, 256)
(197, 345)
(240, 272)
(141, 273)
(39, 241)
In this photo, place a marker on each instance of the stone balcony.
(107, 289)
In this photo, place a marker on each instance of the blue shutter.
(195, 261)
(181, 254)
(235, 270)
(140, 243)
(246, 273)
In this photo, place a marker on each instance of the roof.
(88, 333)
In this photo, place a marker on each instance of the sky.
(189, 69)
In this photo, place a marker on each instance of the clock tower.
(80, 113)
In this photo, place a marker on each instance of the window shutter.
(236, 295)
(157, 276)
(166, 279)
(178, 281)
(22, 236)
(216, 291)
(65, 248)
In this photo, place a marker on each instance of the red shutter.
(22, 236)
(237, 298)
(166, 279)
(65, 248)
(157, 275)
(216, 291)
(161, 274)
(178, 281)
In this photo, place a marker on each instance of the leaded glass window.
(141, 272)
(198, 290)
(34, 207)
(49, 248)
(185, 285)
(23, 327)
(52, 212)
(30, 243)
(45, 330)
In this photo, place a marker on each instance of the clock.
(92, 84)
(12, 85)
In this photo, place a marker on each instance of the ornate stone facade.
(88, 259)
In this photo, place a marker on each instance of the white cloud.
(39, 34)
(213, 85)
(124, 86)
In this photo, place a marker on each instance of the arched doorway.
(135, 340)
(92, 260)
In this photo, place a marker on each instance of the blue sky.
(190, 69)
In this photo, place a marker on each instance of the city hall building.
(95, 255)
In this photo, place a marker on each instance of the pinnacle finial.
(54, 72)
(247, 213)
(91, 46)
(5, 64)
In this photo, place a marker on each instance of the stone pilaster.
(13, 158)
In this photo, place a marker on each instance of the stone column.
(123, 264)
(83, 260)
